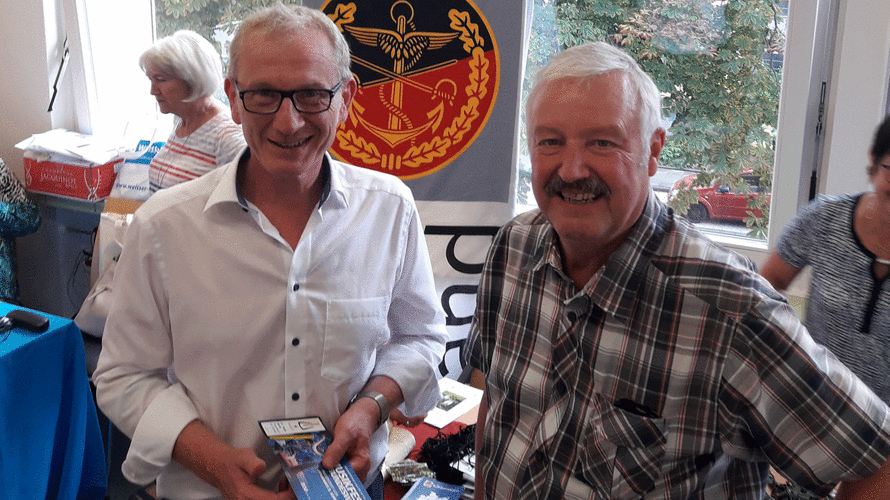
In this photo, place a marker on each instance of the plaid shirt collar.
(614, 286)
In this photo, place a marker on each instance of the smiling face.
(288, 143)
(170, 91)
(590, 166)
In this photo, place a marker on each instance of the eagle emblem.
(427, 83)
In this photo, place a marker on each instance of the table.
(50, 442)
(395, 491)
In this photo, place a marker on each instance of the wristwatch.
(382, 403)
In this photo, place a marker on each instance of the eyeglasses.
(306, 101)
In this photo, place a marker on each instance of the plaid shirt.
(676, 373)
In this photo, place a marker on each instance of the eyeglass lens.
(268, 101)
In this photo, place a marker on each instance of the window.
(719, 67)
(107, 37)
(821, 86)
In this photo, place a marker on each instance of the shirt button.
(295, 342)
(296, 286)
(295, 396)
(572, 316)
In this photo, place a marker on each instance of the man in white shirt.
(285, 284)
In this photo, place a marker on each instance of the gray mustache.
(589, 185)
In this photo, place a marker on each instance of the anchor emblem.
(411, 67)
(405, 48)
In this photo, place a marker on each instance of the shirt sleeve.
(798, 237)
(230, 143)
(417, 326)
(479, 347)
(132, 385)
(788, 400)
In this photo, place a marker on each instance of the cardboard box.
(70, 164)
(61, 175)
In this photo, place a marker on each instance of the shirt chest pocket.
(353, 330)
(623, 446)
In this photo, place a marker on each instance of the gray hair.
(191, 58)
(288, 20)
(595, 58)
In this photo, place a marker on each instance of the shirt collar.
(228, 190)
(614, 287)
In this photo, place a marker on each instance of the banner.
(438, 106)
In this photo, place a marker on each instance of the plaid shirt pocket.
(622, 446)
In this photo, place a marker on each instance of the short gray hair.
(283, 19)
(191, 58)
(595, 58)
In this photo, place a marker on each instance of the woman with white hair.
(185, 71)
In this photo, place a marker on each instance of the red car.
(719, 202)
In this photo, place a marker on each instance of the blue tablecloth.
(50, 443)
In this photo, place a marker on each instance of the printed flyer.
(300, 443)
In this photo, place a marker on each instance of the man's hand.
(400, 418)
(353, 430)
(237, 475)
(352, 437)
(233, 471)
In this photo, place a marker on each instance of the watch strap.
(381, 401)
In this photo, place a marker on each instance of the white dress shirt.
(254, 330)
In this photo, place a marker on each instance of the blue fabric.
(19, 217)
(50, 442)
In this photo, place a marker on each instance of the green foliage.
(710, 60)
(202, 16)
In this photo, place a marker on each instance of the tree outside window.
(718, 64)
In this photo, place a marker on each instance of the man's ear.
(656, 143)
(347, 91)
(232, 94)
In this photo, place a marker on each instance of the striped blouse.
(214, 143)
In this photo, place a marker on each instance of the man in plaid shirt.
(626, 355)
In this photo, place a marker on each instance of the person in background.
(625, 355)
(185, 71)
(283, 284)
(19, 216)
(845, 239)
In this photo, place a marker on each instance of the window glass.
(215, 20)
(719, 65)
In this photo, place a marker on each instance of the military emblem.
(427, 75)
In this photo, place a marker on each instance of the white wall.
(30, 37)
(858, 97)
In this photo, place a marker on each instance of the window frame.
(833, 46)
(816, 145)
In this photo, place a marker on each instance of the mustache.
(589, 185)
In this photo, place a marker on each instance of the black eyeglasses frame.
(290, 96)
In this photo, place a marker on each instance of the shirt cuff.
(151, 448)
(416, 376)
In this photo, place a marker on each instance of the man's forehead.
(312, 43)
(264, 55)
(613, 82)
(609, 93)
